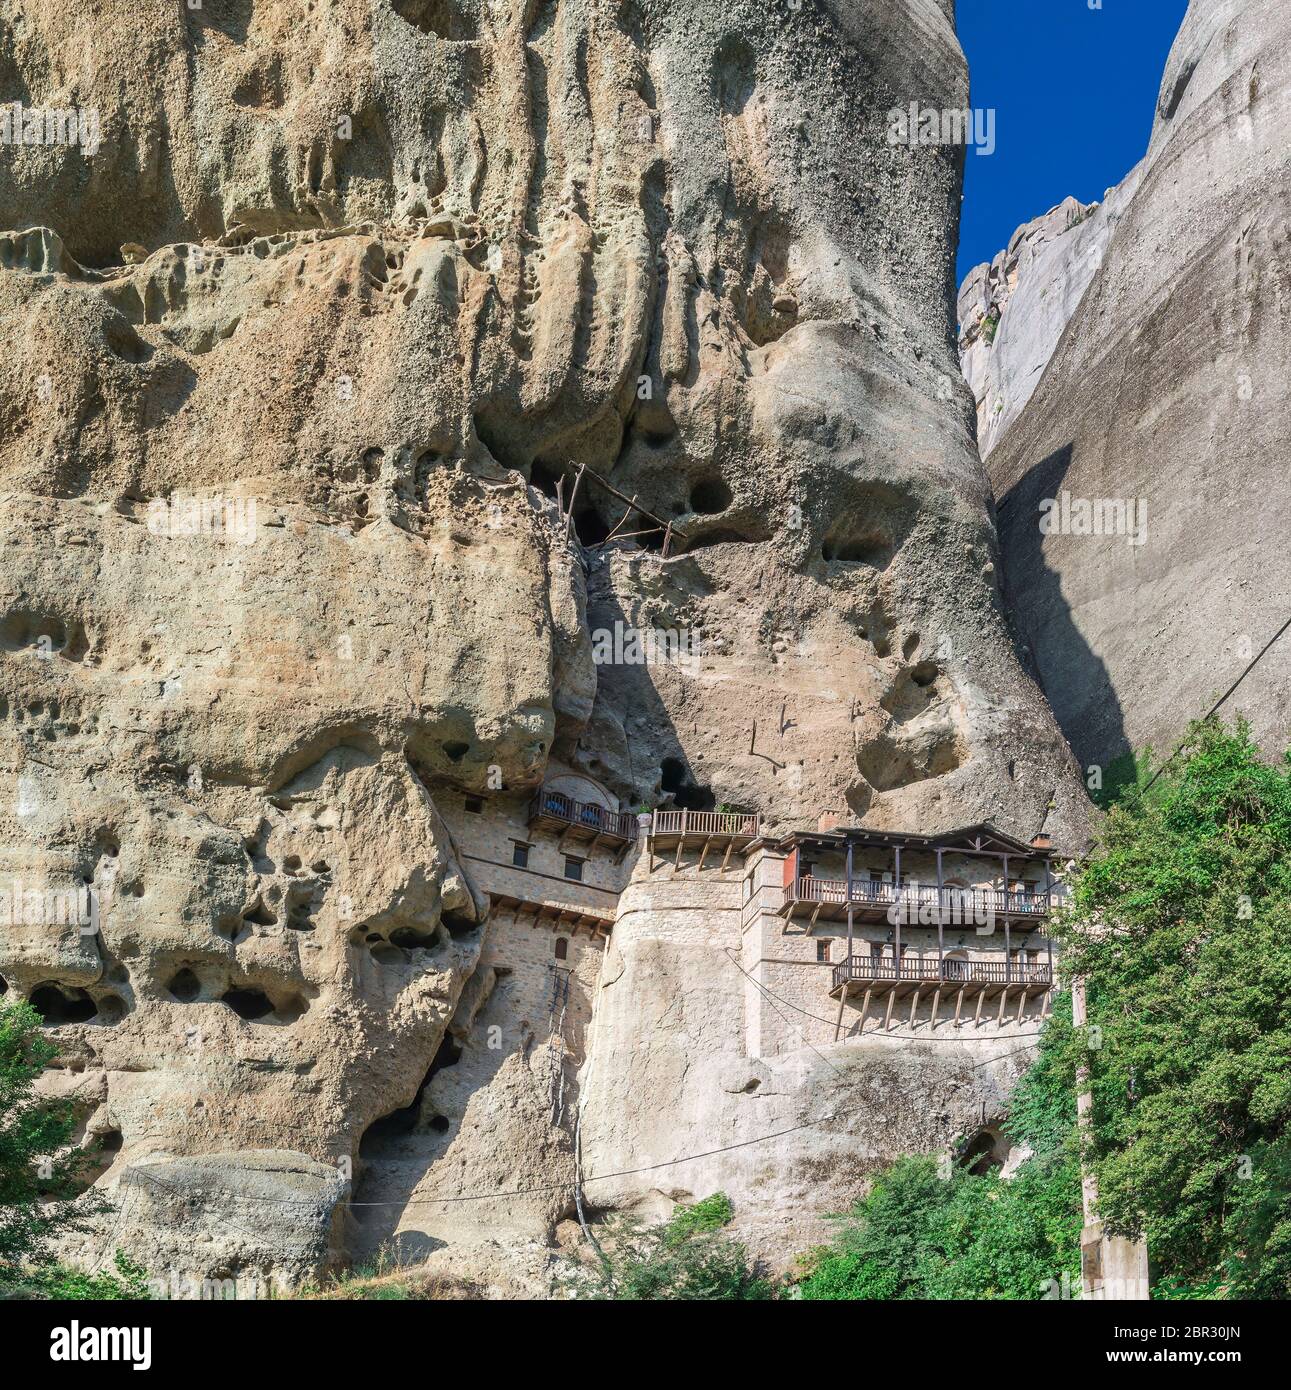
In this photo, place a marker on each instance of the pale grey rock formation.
(1169, 389)
(1013, 311)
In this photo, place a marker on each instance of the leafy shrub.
(39, 1174)
(686, 1258)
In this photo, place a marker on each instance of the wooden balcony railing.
(556, 806)
(964, 903)
(731, 824)
(878, 969)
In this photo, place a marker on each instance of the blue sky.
(1074, 90)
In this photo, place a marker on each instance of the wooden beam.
(703, 854)
(977, 1017)
(892, 999)
(865, 1009)
(936, 1007)
(730, 849)
(1004, 994)
(914, 1004)
(1022, 1003)
(959, 1004)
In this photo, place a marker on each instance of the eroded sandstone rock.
(300, 359)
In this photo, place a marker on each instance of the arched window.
(562, 947)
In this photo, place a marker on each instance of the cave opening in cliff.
(58, 1004)
(981, 1156)
(546, 479)
(675, 780)
(381, 1133)
(250, 1004)
(590, 527)
(185, 986)
(710, 496)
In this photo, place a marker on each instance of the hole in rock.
(456, 751)
(4, 985)
(675, 780)
(545, 479)
(380, 1136)
(112, 1009)
(110, 1141)
(59, 1004)
(589, 527)
(410, 939)
(981, 1154)
(873, 550)
(458, 924)
(441, 19)
(924, 674)
(250, 1004)
(710, 496)
(185, 986)
(260, 916)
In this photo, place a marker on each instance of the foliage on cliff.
(687, 1258)
(1181, 928)
(930, 1229)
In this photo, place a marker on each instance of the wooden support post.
(1004, 995)
(849, 903)
(887, 1019)
(914, 1003)
(936, 1007)
(981, 999)
(681, 845)
(959, 1004)
(703, 854)
(865, 1009)
(842, 1003)
(730, 847)
(1022, 1003)
(1008, 954)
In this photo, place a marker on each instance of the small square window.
(474, 805)
(519, 855)
(574, 869)
(822, 950)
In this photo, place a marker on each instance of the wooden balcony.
(704, 830)
(882, 973)
(871, 901)
(554, 810)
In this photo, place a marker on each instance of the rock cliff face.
(300, 359)
(1164, 400)
(1013, 311)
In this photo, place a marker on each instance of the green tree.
(39, 1173)
(1182, 930)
